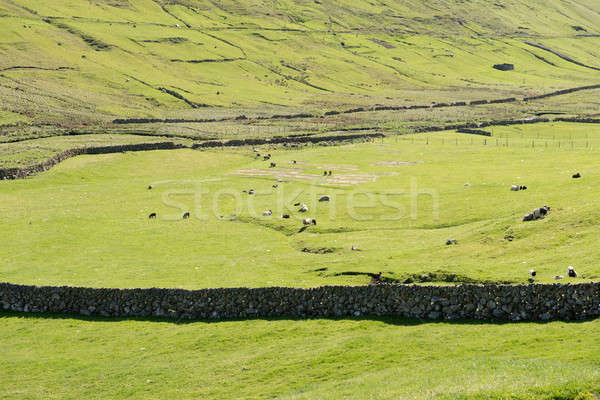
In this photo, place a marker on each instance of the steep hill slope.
(84, 61)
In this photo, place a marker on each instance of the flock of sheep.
(537, 213)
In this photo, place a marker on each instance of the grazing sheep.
(514, 188)
(324, 198)
(149, 187)
(571, 272)
(293, 161)
(255, 150)
(257, 155)
(522, 187)
(558, 277)
(537, 213)
(285, 216)
(251, 191)
(467, 184)
(324, 173)
(151, 216)
(309, 221)
(532, 273)
(451, 241)
(267, 213)
(330, 172)
(577, 175)
(303, 208)
(275, 186)
(186, 215)
(296, 204)
(267, 157)
(354, 248)
(375, 279)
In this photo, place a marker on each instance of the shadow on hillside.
(398, 321)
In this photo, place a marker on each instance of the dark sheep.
(149, 187)
(285, 216)
(571, 272)
(324, 198)
(532, 273)
(273, 165)
(151, 216)
(375, 279)
(577, 175)
(186, 215)
(296, 204)
(324, 173)
(330, 172)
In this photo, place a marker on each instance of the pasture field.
(397, 199)
(56, 357)
(79, 73)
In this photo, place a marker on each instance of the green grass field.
(397, 200)
(69, 68)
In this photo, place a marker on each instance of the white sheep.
(267, 213)
(303, 208)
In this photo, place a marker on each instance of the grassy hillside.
(75, 61)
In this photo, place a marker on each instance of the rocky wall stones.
(501, 302)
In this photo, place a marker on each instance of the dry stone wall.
(502, 302)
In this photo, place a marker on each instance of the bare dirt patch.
(396, 163)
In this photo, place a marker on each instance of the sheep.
(324, 198)
(267, 213)
(151, 216)
(267, 157)
(558, 277)
(571, 272)
(528, 217)
(256, 150)
(303, 208)
(186, 215)
(330, 172)
(577, 175)
(451, 241)
(275, 186)
(514, 188)
(273, 165)
(251, 191)
(297, 204)
(309, 221)
(324, 173)
(149, 187)
(285, 216)
(522, 187)
(375, 279)
(293, 161)
(532, 273)
(354, 248)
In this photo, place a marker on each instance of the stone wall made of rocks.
(534, 302)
